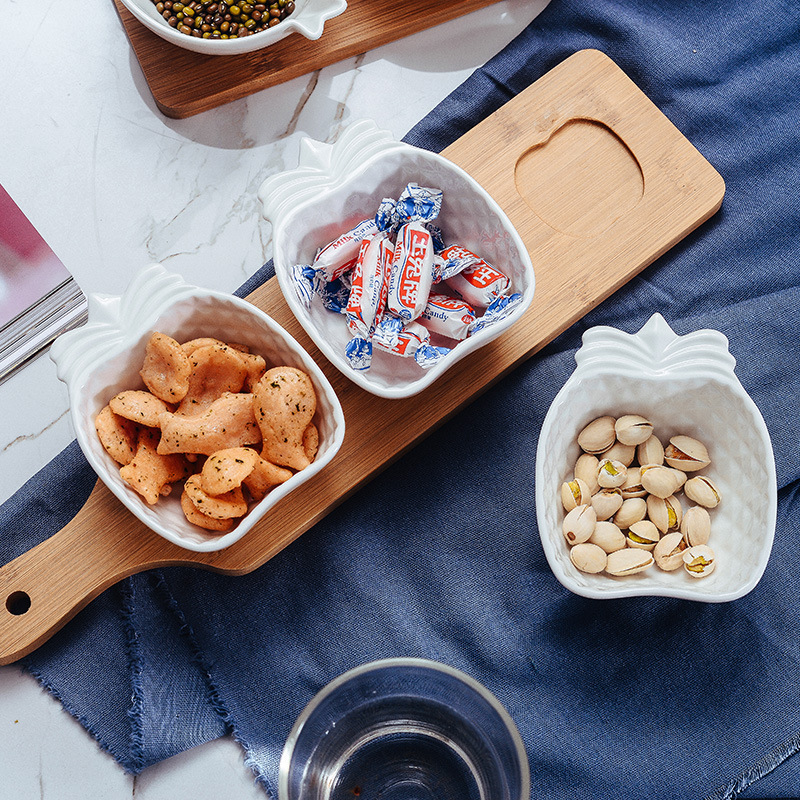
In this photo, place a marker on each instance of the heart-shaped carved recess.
(580, 180)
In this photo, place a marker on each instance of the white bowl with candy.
(178, 394)
(395, 261)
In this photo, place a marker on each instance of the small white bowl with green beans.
(230, 28)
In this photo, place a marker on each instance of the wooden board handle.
(44, 588)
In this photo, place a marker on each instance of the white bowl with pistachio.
(654, 470)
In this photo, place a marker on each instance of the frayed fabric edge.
(127, 766)
(215, 697)
(773, 759)
(127, 592)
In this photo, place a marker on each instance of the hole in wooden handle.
(581, 179)
(18, 603)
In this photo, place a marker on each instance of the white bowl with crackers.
(690, 498)
(329, 207)
(196, 409)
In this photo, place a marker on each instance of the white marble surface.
(113, 185)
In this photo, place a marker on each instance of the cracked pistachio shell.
(586, 469)
(579, 524)
(699, 561)
(668, 553)
(633, 429)
(651, 451)
(632, 510)
(598, 435)
(659, 481)
(643, 535)
(696, 526)
(628, 561)
(620, 452)
(665, 513)
(608, 536)
(588, 557)
(574, 493)
(606, 503)
(686, 453)
(611, 474)
(633, 484)
(702, 490)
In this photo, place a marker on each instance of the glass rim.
(402, 661)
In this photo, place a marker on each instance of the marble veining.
(113, 185)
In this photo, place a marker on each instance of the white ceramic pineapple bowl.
(683, 385)
(337, 186)
(104, 357)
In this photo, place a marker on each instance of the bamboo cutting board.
(185, 83)
(597, 182)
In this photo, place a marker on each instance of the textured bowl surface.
(105, 356)
(308, 19)
(337, 186)
(683, 385)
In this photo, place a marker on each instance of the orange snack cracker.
(117, 435)
(149, 473)
(284, 405)
(166, 368)
(228, 422)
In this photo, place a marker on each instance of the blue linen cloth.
(439, 555)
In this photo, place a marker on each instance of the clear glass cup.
(404, 729)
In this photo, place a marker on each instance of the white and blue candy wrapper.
(415, 204)
(303, 276)
(359, 353)
(498, 310)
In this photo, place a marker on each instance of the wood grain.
(627, 154)
(209, 81)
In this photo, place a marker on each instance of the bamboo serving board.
(185, 83)
(597, 182)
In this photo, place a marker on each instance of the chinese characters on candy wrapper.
(396, 283)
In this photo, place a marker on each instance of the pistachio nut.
(665, 513)
(628, 561)
(579, 524)
(679, 475)
(611, 474)
(696, 526)
(643, 535)
(633, 429)
(620, 452)
(699, 561)
(588, 557)
(633, 484)
(606, 503)
(608, 536)
(632, 510)
(598, 435)
(668, 553)
(702, 490)
(686, 453)
(650, 451)
(586, 469)
(574, 493)
(659, 481)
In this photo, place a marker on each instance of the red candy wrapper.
(411, 273)
(475, 280)
(448, 316)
